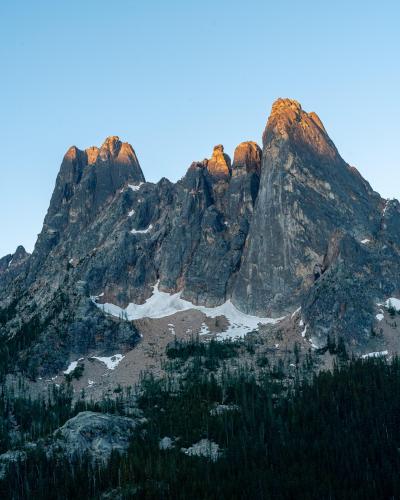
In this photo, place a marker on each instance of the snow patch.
(303, 333)
(204, 329)
(111, 362)
(379, 316)
(142, 231)
(135, 187)
(377, 354)
(295, 312)
(71, 367)
(364, 242)
(393, 302)
(132, 212)
(162, 304)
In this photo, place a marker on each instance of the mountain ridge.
(272, 230)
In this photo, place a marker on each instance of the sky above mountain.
(175, 78)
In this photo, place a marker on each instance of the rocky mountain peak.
(285, 106)
(110, 148)
(20, 254)
(247, 158)
(289, 123)
(220, 164)
(74, 155)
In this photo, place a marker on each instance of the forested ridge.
(333, 434)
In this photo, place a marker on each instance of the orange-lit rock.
(289, 122)
(247, 158)
(126, 154)
(72, 153)
(92, 154)
(110, 148)
(220, 164)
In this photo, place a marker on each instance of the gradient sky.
(176, 77)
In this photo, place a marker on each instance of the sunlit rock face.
(306, 192)
(219, 165)
(246, 159)
(275, 228)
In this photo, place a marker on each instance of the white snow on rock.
(379, 316)
(135, 187)
(364, 242)
(132, 212)
(377, 354)
(204, 329)
(303, 333)
(162, 304)
(142, 231)
(393, 302)
(111, 362)
(204, 448)
(71, 367)
(295, 312)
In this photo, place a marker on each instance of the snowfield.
(162, 304)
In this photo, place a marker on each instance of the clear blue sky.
(176, 77)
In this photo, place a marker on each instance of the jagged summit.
(288, 122)
(112, 151)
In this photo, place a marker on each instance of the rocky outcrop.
(91, 435)
(94, 434)
(14, 261)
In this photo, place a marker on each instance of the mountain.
(287, 226)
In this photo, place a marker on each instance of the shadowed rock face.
(12, 265)
(274, 229)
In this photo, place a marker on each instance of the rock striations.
(272, 230)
